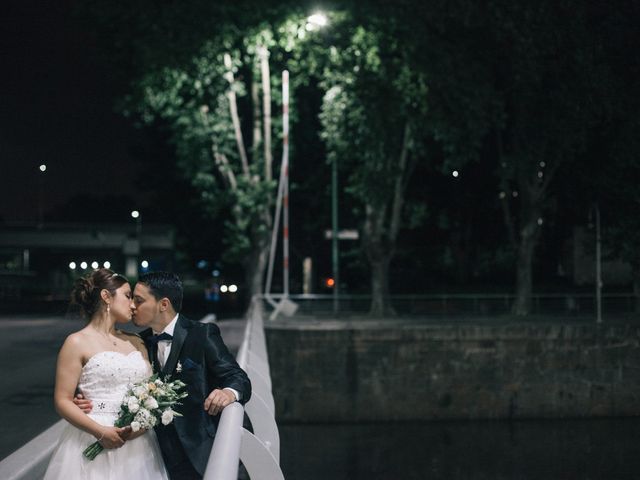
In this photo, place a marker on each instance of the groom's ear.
(165, 304)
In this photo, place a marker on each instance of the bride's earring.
(108, 310)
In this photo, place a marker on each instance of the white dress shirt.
(164, 346)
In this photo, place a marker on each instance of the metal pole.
(598, 268)
(334, 236)
(285, 199)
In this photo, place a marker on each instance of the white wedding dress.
(104, 381)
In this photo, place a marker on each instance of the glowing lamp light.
(144, 264)
(224, 288)
(316, 21)
(72, 265)
(233, 288)
(330, 282)
(107, 264)
(540, 221)
(43, 168)
(455, 173)
(84, 265)
(94, 265)
(135, 214)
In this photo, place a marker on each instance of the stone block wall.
(383, 371)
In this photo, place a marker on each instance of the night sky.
(56, 107)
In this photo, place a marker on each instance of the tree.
(547, 81)
(372, 109)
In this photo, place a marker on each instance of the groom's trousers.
(179, 467)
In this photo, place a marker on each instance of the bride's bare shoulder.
(77, 340)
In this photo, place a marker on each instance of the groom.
(194, 353)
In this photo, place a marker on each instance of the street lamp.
(315, 22)
(138, 217)
(133, 248)
(42, 168)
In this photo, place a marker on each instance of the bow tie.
(154, 339)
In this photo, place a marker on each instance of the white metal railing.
(259, 451)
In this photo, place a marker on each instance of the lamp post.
(335, 263)
(315, 22)
(598, 267)
(132, 266)
(41, 177)
(138, 217)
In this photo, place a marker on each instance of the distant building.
(41, 262)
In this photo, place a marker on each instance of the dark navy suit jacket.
(206, 364)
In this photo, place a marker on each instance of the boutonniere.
(179, 367)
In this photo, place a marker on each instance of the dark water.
(496, 450)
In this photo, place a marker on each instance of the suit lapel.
(179, 335)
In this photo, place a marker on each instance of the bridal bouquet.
(144, 406)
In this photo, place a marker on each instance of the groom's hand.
(217, 400)
(83, 404)
(128, 434)
(112, 437)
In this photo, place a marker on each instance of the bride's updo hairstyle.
(86, 290)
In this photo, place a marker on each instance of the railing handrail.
(258, 451)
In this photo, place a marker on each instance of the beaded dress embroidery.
(104, 380)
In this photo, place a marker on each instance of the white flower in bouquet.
(150, 403)
(133, 405)
(139, 390)
(144, 406)
(167, 416)
(145, 418)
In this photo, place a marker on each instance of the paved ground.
(29, 346)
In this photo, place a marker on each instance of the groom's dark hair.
(164, 285)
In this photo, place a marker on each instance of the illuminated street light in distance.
(72, 265)
(455, 173)
(144, 264)
(135, 214)
(316, 21)
(233, 288)
(223, 288)
(43, 167)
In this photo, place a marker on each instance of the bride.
(101, 361)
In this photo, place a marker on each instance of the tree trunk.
(256, 264)
(379, 254)
(380, 301)
(381, 231)
(524, 269)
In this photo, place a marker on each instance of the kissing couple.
(97, 364)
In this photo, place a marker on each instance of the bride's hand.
(111, 437)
